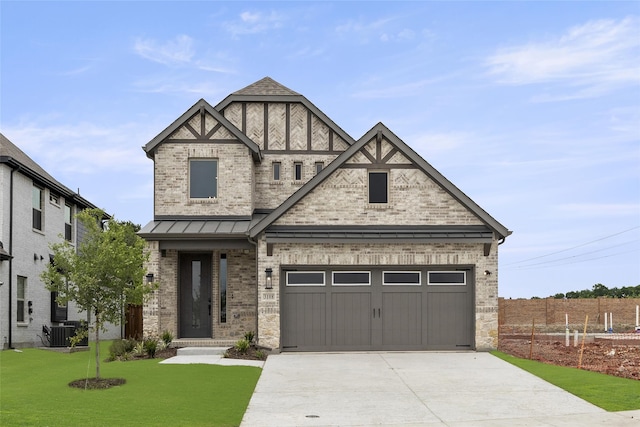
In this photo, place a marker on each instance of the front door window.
(195, 296)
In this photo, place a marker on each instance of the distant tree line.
(600, 290)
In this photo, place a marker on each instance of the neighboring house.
(35, 211)
(268, 217)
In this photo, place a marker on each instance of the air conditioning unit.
(60, 336)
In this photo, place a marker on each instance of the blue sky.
(531, 108)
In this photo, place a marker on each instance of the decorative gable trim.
(269, 91)
(376, 134)
(194, 126)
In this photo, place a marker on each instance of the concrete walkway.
(208, 356)
(413, 389)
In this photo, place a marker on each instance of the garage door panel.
(306, 324)
(401, 319)
(351, 319)
(448, 320)
(406, 309)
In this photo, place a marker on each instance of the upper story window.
(297, 171)
(378, 187)
(275, 167)
(54, 198)
(37, 207)
(319, 167)
(68, 225)
(203, 178)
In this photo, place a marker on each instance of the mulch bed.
(97, 383)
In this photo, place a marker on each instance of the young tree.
(105, 272)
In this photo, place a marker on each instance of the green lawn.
(34, 391)
(606, 391)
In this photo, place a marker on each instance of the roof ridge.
(266, 86)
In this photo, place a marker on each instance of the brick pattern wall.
(414, 199)
(551, 311)
(235, 179)
(486, 287)
(160, 311)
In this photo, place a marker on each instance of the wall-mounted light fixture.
(149, 277)
(487, 273)
(269, 273)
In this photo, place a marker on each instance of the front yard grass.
(34, 391)
(608, 392)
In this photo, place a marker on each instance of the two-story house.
(35, 211)
(268, 217)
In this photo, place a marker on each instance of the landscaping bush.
(249, 336)
(150, 346)
(167, 337)
(121, 348)
(242, 346)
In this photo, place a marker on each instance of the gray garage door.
(381, 308)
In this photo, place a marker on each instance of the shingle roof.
(265, 86)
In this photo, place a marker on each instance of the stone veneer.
(441, 254)
(160, 311)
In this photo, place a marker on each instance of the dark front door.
(195, 296)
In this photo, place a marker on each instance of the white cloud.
(397, 91)
(82, 148)
(254, 23)
(173, 52)
(593, 58)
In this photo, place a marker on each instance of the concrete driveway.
(416, 389)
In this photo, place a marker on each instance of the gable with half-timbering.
(406, 194)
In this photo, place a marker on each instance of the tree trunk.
(97, 345)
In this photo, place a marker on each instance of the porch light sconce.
(487, 273)
(149, 278)
(268, 273)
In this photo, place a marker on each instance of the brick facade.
(290, 130)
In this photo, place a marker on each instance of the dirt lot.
(612, 357)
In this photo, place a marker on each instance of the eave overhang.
(379, 234)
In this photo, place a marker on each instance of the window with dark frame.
(68, 227)
(297, 171)
(378, 187)
(319, 167)
(20, 297)
(203, 178)
(37, 207)
(223, 288)
(275, 166)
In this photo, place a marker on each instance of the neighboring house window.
(378, 187)
(319, 167)
(223, 288)
(37, 208)
(22, 287)
(297, 171)
(68, 227)
(203, 179)
(275, 166)
(54, 198)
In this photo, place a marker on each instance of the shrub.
(249, 336)
(139, 350)
(261, 354)
(150, 346)
(167, 337)
(120, 348)
(242, 346)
